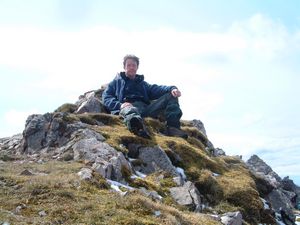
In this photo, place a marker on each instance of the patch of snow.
(297, 217)
(115, 185)
(180, 171)
(141, 175)
(266, 206)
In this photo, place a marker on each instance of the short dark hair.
(133, 57)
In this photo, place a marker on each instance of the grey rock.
(178, 180)
(155, 159)
(199, 125)
(19, 208)
(85, 174)
(48, 130)
(187, 195)
(232, 218)
(91, 102)
(278, 200)
(90, 105)
(104, 158)
(258, 166)
(26, 173)
(42, 213)
(151, 194)
(217, 152)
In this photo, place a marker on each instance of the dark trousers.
(166, 105)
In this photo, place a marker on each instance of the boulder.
(91, 102)
(187, 195)
(279, 200)
(154, 159)
(104, 159)
(258, 166)
(232, 218)
(48, 130)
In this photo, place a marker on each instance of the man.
(133, 98)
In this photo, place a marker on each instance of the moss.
(239, 190)
(155, 126)
(194, 132)
(209, 187)
(4, 156)
(84, 118)
(67, 108)
(224, 206)
(195, 142)
(70, 118)
(194, 159)
(96, 118)
(126, 173)
(118, 135)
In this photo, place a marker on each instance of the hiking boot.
(138, 128)
(176, 132)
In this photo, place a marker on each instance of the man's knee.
(128, 110)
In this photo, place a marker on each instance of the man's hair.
(133, 57)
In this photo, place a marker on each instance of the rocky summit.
(80, 165)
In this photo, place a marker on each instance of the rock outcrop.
(191, 174)
(282, 194)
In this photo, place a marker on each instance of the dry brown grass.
(56, 189)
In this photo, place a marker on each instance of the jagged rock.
(199, 125)
(279, 200)
(232, 218)
(263, 186)
(91, 102)
(154, 159)
(48, 130)
(258, 166)
(288, 184)
(105, 159)
(11, 143)
(187, 195)
(217, 152)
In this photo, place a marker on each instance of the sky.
(235, 62)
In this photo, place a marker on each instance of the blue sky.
(236, 63)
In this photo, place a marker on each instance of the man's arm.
(109, 97)
(155, 91)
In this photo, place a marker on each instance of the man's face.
(130, 68)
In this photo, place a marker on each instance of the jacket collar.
(138, 77)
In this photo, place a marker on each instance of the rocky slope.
(80, 165)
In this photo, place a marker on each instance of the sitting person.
(133, 98)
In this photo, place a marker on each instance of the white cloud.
(72, 63)
(264, 37)
(15, 118)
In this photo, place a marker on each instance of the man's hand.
(176, 93)
(125, 104)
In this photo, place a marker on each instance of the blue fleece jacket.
(114, 94)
